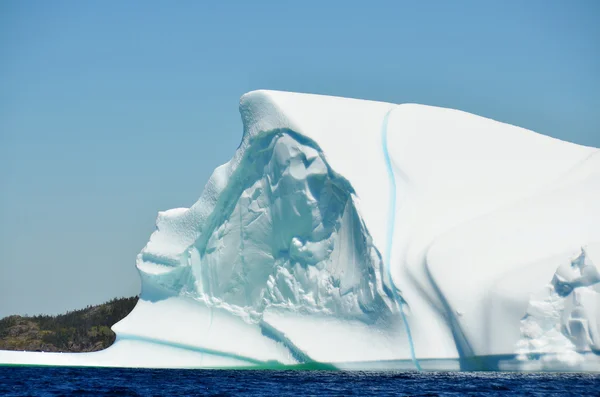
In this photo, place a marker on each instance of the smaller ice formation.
(360, 234)
(563, 320)
(286, 236)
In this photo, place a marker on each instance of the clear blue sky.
(113, 110)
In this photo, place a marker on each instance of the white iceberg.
(363, 234)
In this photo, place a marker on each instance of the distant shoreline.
(83, 330)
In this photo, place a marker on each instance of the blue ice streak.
(390, 236)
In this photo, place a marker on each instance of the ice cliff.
(371, 235)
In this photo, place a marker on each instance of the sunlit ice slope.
(365, 234)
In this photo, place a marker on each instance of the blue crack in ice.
(390, 235)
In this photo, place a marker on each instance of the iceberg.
(359, 234)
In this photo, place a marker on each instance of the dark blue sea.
(57, 381)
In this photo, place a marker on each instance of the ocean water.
(61, 381)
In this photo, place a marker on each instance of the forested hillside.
(82, 330)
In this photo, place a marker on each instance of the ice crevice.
(390, 235)
(193, 348)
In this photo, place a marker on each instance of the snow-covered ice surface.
(371, 235)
